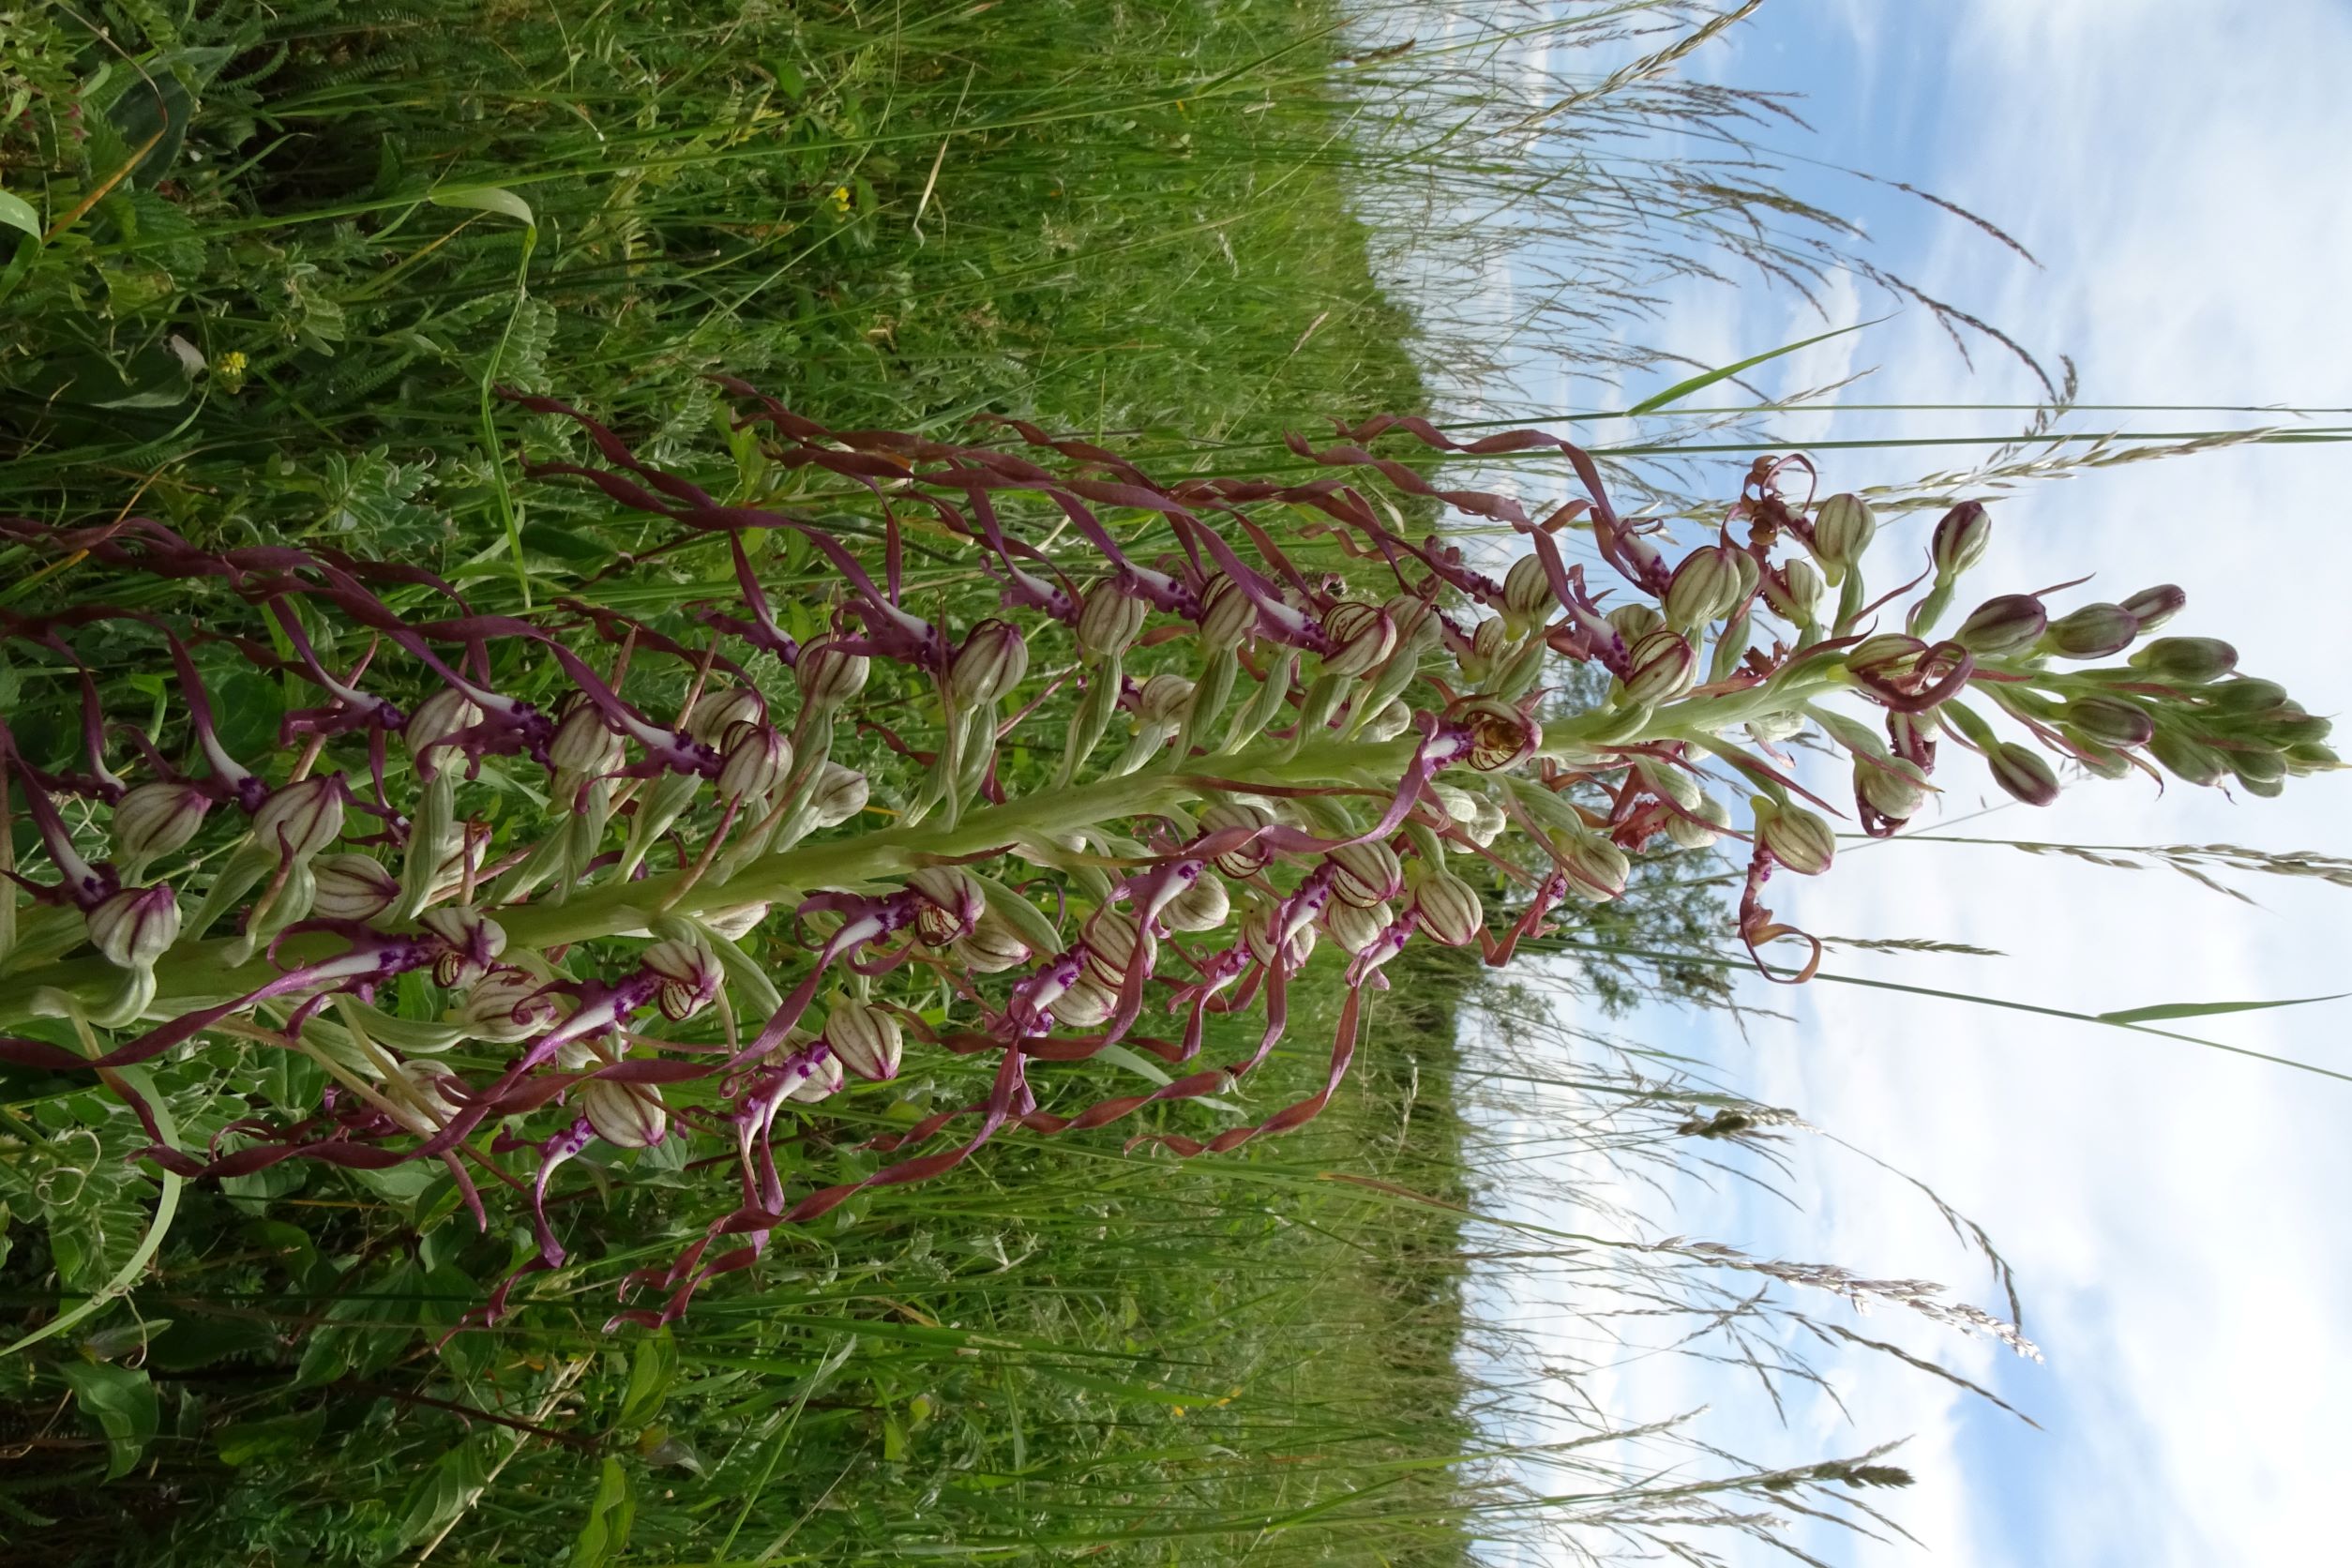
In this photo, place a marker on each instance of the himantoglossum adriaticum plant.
(1167, 767)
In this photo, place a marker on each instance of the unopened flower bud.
(2114, 721)
(1460, 806)
(1778, 725)
(1416, 626)
(1109, 621)
(1842, 532)
(426, 1088)
(1229, 616)
(990, 947)
(351, 887)
(1251, 858)
(689, 973)
(2153, 606)
(1635, 621)
(1704, 587)
(2242, 694)
(584, 744)
(2020, 771)
(1354, 928)
(1659, 668)
(154, 820)
(1750, 578)
(1111, 945)
(2191, 660)
(1163, 700)
(1388, 721)
(507, 1005)
(2094, 755)
(1257, 934)
(819, 1080)
(1959, 540)
(135, 927)
(626, 1115)
(1527, 592)
(446, 713)
(1500, 735)
(1702, 827)
(989, 666)
(1891, 786)
(1084, 1004)
(1889, 656)
(866, 1037)
(1366, 873)
(2291, 726)
(1360, 635)
(829, 675)
(2007, 625)
(1794, 591)
(2191, 760)
(1449, 907)
(1795, 836)
(1488, 821)
(2094, 631)
(839, 794)
(2257, 767)
(1596, 869)
(953, 902)
(1490, 644)
(1202, 907)
(715, 713)
(758, 758)
(303, 817)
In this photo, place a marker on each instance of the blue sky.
(2175, 1216)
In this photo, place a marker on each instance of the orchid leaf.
(489, 198)
(611, 1513)
(122, 1401)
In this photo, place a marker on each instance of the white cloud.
(2175, 1213)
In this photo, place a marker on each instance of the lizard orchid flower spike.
(1254, 767)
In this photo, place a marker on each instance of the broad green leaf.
(248, 707)
(566, 544)
(1121, 1057)
(122, 1402)
(2163, 1011)
(652, 1369)
(609, 1515)
(112, 1344)
(444, 1492)
(17, 213)
(1682, 389)
(245, 1442)
(489, 198)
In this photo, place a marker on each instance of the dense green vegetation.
(262, 269)
(357, 215)
(277, 326)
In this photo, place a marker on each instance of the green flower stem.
(199, 973)
(1695, 719)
